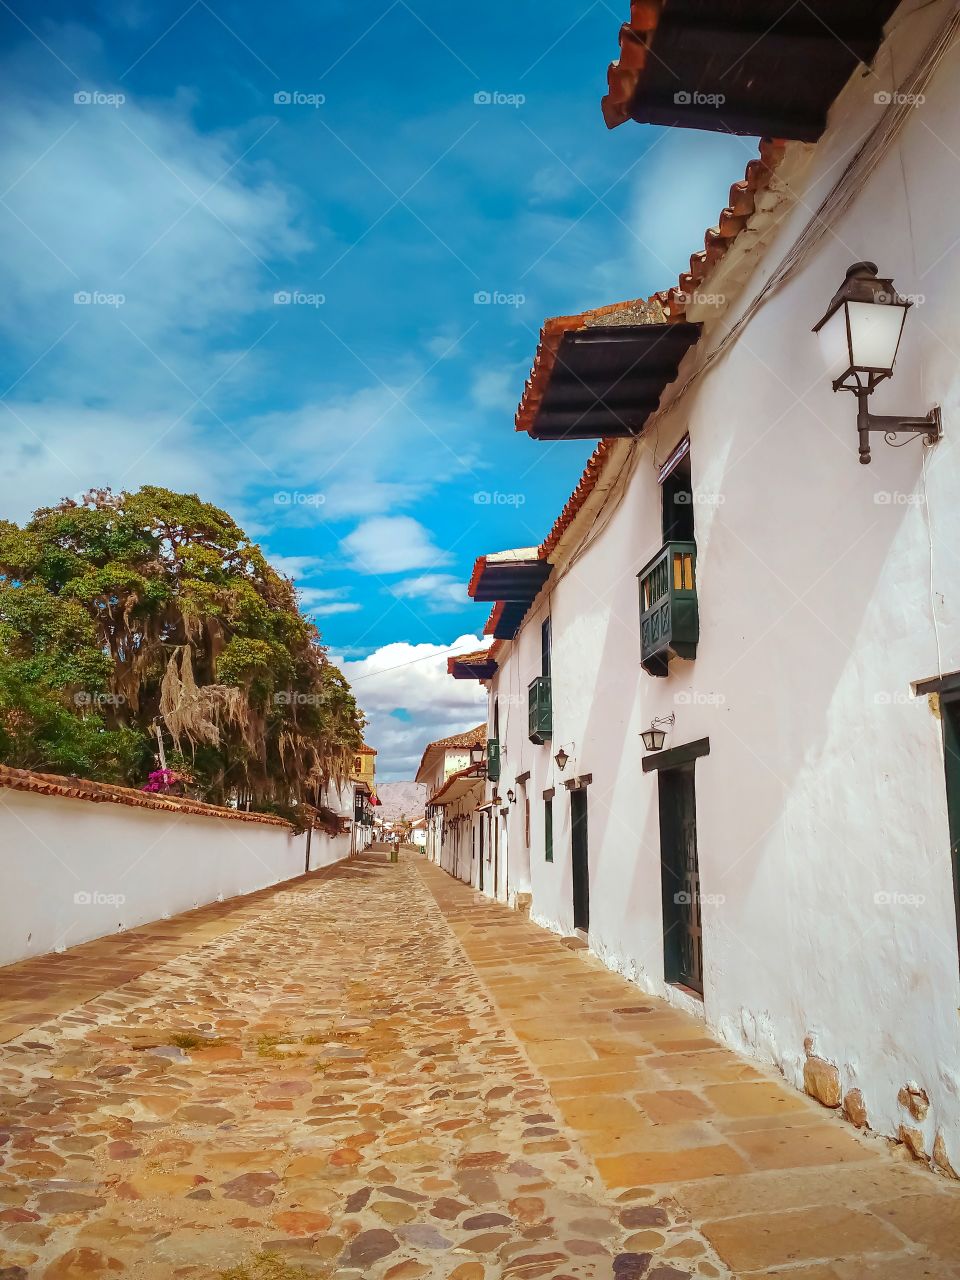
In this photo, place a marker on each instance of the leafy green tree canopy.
(122, 612)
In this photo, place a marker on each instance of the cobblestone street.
(370, 1072)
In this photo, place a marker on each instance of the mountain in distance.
(401, 799)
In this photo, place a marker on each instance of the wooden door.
(680, 875)
(950, 715)
(580, 860)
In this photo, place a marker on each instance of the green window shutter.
(493, 759)
(548, 830)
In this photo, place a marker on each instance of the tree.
(124, 610)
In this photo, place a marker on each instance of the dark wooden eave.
(471, 668)
(510, 580)
(505, 619)
(607, 380)
(777, 64)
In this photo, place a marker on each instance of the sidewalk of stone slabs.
(361, 1075)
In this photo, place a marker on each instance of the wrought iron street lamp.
(860, 336)
(511, 795)
(653, 737)
(561, 758)
(478, 756)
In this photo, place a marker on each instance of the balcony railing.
(493, 759)
(540, 710)
(669, 614)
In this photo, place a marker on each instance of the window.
(677, 502)
(548, 830)
(545, 648)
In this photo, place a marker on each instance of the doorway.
(580, 860)
(680, 878)
(950, 717)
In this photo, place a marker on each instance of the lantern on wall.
(860, 337)
(653, 738)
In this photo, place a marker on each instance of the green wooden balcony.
(493, 759)
(669, 614)
(540, 710)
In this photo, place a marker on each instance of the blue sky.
(283, 310)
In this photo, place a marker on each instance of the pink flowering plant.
(164, 782)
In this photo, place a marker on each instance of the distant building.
(454, 790)
(364, 797)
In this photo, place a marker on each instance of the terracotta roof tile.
(623, 75)
(635, 311)
(585, 486)
(467, 738)
(733, 218)
(48, 784)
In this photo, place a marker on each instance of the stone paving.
(371, 1072)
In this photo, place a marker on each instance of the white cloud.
(296, 567)
(133, 201)
(498, 389)
(53, 450)
(413, 679)
(392, 544)
(441, 591)
(678, 181)
(327, 610)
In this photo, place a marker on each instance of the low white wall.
(71, 870)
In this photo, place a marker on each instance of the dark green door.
(581, 867)
(950, 712)
(680, 876)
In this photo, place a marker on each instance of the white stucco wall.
(71, 870)
(825, 589)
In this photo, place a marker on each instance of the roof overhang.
(457, 786)
(472, 666)
(603, 380)
(505, 619)
(515, 576)
(768, 68)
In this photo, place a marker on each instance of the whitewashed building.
(728, 577)
(449, 769)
